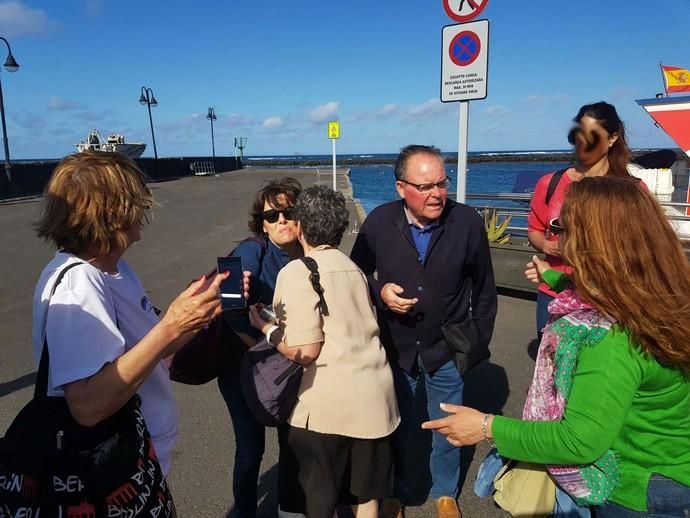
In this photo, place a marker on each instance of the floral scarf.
(573, 324)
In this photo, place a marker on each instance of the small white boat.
(115, 143)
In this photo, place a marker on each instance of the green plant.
(495, 230)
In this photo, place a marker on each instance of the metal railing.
(203, 168)
(526, 197)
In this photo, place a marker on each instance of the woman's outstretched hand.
(463, 427)
(196, 306)
(535, 269)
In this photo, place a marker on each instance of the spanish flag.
(677, 79)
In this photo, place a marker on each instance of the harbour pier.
(198, 219)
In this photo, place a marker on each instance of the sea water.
(373, 185)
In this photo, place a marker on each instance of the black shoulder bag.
(270, 381)
(50, 465)
(462, 334)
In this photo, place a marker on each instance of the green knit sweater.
(620, 400)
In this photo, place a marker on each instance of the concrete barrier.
(30, 178)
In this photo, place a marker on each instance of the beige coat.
(348, 390)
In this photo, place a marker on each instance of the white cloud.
(29, 120)
(495, 128)
(386, 111)
(324, 112)
(496, 111)
(430, 108)
(389, 109)
(63, 105)
(236, 120)
(534, 99)
(272, 123)
(191, 122)
(17, 19)
(542, 100)
(94, 7)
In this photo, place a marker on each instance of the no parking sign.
(464, 61)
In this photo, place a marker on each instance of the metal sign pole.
(333, 140)
(463, 125)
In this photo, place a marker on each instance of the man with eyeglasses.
(426, 259)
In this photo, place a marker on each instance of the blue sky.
(277, 71)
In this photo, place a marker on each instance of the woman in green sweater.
(629, 399)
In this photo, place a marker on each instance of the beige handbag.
(525, 490)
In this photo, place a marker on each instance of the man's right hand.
(551, 248)
(390, 296)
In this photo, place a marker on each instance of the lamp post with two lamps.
(11, 65)
(149, 100)
(212, 117)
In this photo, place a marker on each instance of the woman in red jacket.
(600, 149)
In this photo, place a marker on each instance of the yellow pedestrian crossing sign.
(334, 129)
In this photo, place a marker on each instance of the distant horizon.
(278, 156)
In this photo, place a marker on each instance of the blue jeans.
(542, 312)
(666, 498)
(249, 447)
(566, 507)
(443, 386)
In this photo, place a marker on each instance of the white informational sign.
(464, 61)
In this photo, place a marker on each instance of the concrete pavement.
(198, 219)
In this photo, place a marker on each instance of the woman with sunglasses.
(621, 430)
(273, 245)
(600, 149)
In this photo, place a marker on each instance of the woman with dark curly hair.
(339, 431)
(273, 245)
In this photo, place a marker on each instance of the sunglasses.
(272, 215)
(555, 226)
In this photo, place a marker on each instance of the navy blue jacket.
(458, 252)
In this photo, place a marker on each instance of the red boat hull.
(672, 114)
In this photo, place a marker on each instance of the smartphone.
(231, 289)
(268, 314)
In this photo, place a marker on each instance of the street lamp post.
(149, 100)
(212, 117)
(11, 66)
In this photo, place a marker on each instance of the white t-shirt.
(94, 318)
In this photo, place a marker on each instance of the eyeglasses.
(425, 188)
(555, 226)
(272, 215)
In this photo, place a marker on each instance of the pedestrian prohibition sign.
(464, 10)
(465, 48)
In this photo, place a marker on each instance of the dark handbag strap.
(553, 183)
(315, 279)
(41, 387)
